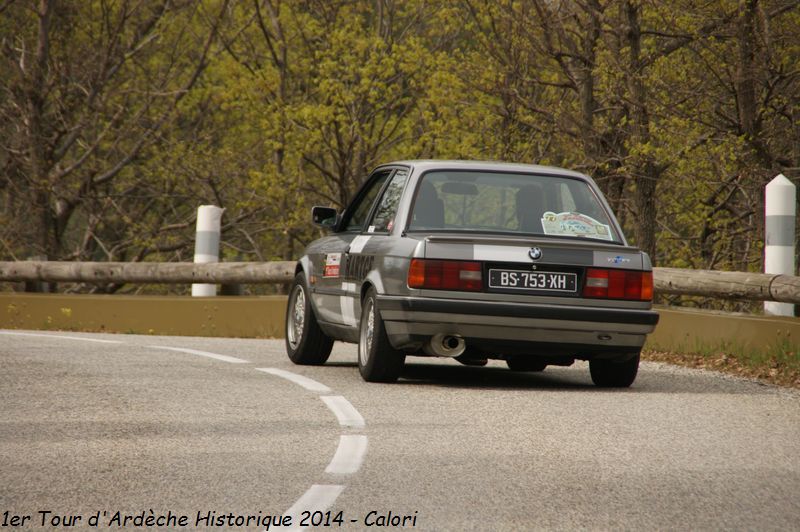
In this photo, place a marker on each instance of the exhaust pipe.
(445, 345)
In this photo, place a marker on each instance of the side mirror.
(326, 217)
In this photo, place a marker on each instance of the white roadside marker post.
(779, 250)
(206, 244)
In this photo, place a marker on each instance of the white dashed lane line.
(318, 498)
(215, 356)
(301, 380)
(61, 337)
(345, 412)
(349, 455)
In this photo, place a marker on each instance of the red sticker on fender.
(332, 263)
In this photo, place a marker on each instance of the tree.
(325, 91)
(87, 87)
(119, 118)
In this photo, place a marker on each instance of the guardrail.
(727, 285)
(709, 283)
(148, 272)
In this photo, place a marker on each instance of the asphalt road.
(118, 423)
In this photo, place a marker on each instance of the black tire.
(306, 344)
(525, 363)
(378, 361)
(614, 374)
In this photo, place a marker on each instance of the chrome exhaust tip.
(445, 345)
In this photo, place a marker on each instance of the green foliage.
(681, 111)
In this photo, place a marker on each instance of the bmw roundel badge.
(535, 253)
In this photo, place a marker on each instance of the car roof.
(423, 165)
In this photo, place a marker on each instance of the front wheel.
(613, 374)
(306, 344)
(378, 361)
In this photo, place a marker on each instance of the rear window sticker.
(574, 224)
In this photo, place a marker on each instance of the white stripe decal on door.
(348, 304)
(358, 243)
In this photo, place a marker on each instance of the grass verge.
(777, 364)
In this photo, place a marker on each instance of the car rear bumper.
(410, 320)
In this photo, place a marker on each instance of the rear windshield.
(509, 203)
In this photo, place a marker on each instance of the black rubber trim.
(517, 310)
(328, 291)
(340, 331)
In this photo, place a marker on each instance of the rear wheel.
(306, 344)
(525, 363)
(378, 361)
(614, 374)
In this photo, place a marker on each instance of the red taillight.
(647, 286)
(445, 274)
(596, 283)
(618, 284)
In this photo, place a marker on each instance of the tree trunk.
(585, 77)
(38, 164)
(645, 171)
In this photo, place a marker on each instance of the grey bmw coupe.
(475, 261)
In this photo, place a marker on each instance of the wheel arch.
(365, 286)
(373, 279)
(303, 266)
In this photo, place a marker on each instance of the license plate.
(528, 280)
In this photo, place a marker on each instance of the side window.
(360, 209)
(387, 208)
